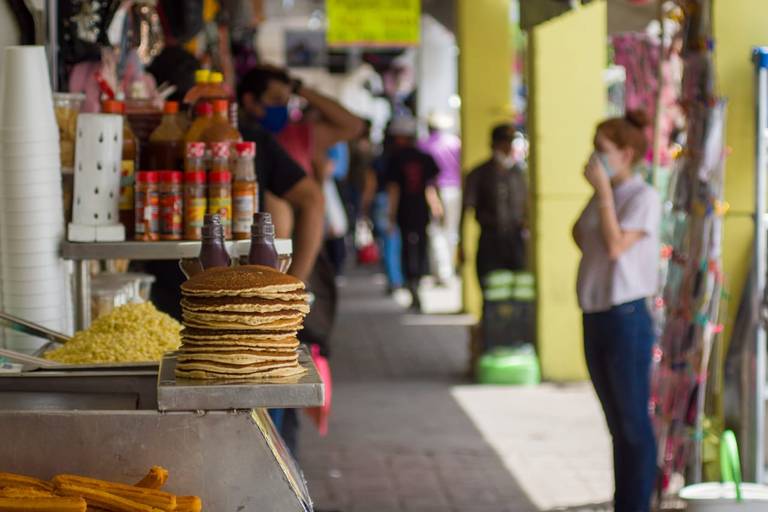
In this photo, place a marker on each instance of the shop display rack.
(81, 253)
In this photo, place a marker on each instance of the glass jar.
(171, 205)
(220, 152)
(220, 198)
(194, 160)
(147, 206)
(195, 204)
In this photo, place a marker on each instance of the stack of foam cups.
(31, 210)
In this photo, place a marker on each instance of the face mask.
(609, 171)
(275, 118)
(504, 160)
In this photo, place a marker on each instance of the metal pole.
(760, 255)
(82, 295)
(51, 16)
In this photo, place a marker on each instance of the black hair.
(504, 132)
(257, 79)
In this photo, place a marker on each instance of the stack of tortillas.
(241, 323)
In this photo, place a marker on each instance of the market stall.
(134, 388)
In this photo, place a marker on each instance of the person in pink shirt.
(445, 149)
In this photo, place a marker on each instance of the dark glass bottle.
(213, 250)
(263, 250)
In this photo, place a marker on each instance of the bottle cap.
(216, 77)
(245, 149)
(204, 108)
(147, 177)
(212, 227)
(171, 107)
(220, 177)
(262, 224)
(220, 149)
(195, 177)
(220, 106)
(202, 76)
(170, 176)
(113, 107)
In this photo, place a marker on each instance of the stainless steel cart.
(115, 422)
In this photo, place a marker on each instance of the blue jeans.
(617, 346)
(390, 243)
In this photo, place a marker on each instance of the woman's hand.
(596, 176)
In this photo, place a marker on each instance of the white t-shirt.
(603, 283)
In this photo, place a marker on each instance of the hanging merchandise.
(638, 54)
(689, 308)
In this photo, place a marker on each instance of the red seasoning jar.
(147, 206)
(220, 152)
(220, 198)
(171, 205)
(194, 158)
(195, 204)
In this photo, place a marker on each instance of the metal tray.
(198, 395)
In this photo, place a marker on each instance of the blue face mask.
(275, 118)
(609, 171)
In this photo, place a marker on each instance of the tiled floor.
(409, 434)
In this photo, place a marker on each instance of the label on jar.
(242, 208)
(222, 206)
(195, 211)
(126, 185)
(170, 214)
(147, 215)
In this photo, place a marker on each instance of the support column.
(738, 25)
(485, 64)
(567, 99)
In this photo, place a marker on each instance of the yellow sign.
(378, 23)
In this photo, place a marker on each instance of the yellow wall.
(567, 59)
(738, 26)
(485, 62)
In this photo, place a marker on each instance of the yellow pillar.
(485, 62)
(738, 26)
(567, 60)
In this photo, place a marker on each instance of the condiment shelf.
(198, 395)
(82, 252)
(131, 250)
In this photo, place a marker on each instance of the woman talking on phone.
(618, 235)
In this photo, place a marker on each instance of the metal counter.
(106, 423)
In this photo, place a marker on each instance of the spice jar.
(195, 204)
(220, 198)
(171, 205)
(147, 206)
(219, 156)
(194, 157)
(244, 190)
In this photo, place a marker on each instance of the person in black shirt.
(410, 175)
(498, 192)
(279, 174)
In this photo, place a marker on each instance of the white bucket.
(721, 497)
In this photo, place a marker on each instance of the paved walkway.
(409, 434)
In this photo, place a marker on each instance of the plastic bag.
(320, 415)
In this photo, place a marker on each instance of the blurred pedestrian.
(413, 198)
(618, 235)
(445, 148)
(375, 204)
(498, 193)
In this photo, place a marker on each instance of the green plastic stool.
(509, 366)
